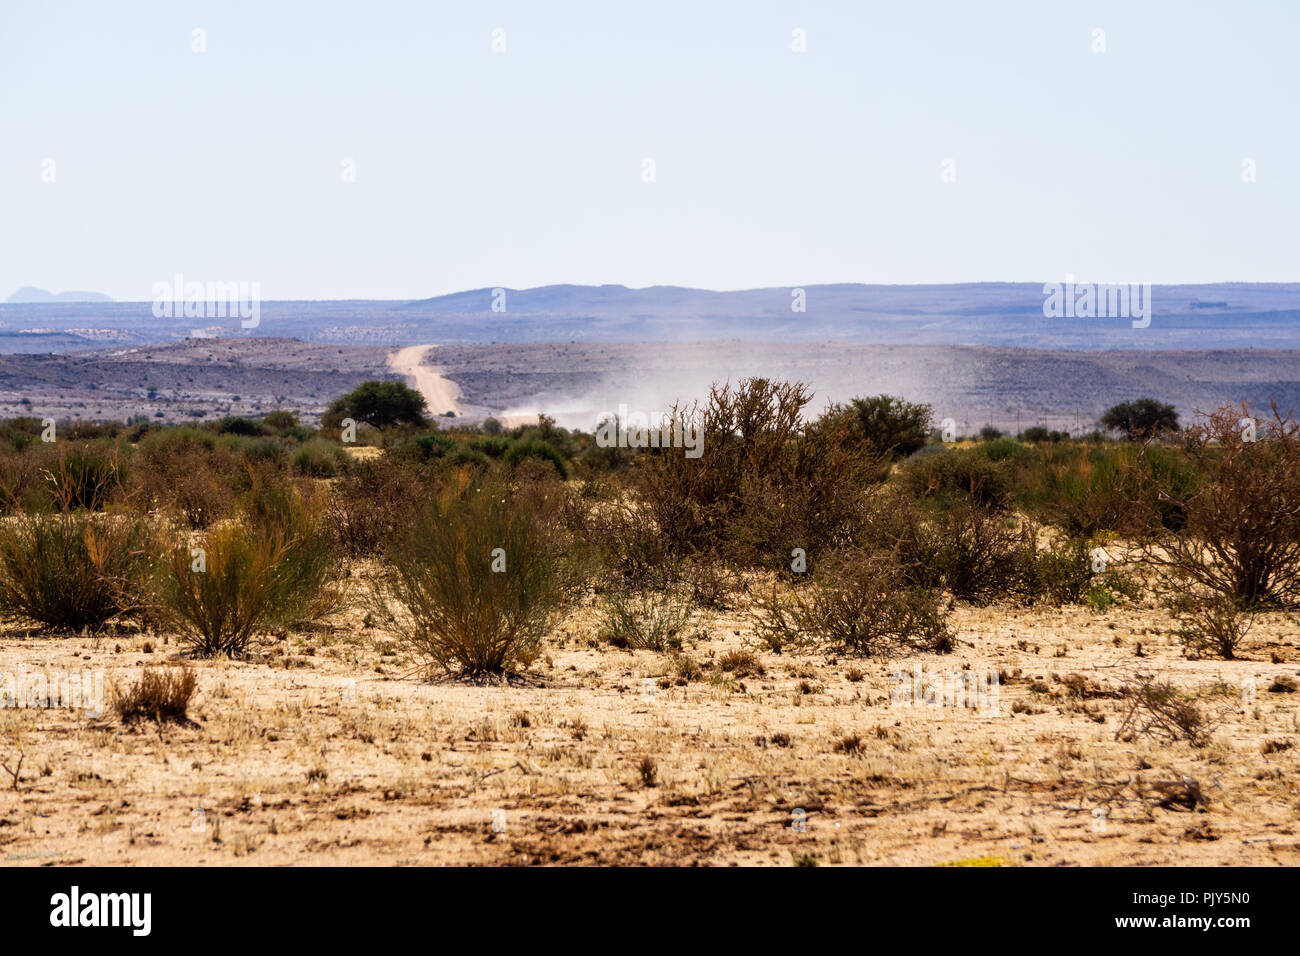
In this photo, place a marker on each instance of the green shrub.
(311, 585)
(893, 426)
(280, 420)
(74, 571)
(271, 569)
(539, 450)
(1005, 448)
(222, 593)
(425, 448)
(233, 425)
(1144, 418)
(85, 476)
(1086, 488)
(319, 459)
(475, 580)
(958, 474)
(1062, 573)
(492, 446)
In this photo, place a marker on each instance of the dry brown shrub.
(161, 696)
(1241, 537)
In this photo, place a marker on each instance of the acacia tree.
(378, 403)
(1142, 419)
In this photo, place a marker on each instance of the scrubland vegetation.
(854, 528)
(848, 534)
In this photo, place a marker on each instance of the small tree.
(378, 403)
(1142, 419)
(892, 425)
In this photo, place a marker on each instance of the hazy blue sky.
(525, 167)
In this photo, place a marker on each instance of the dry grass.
(346, 758)
(161, 696)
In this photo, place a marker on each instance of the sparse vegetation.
(162, 696)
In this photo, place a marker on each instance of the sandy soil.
(441, 394)
(328, 747)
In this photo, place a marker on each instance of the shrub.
(469, 458)
(975, 553)
(23, 482)
(633, 553)
(232, 425)
(425, 448)
(222, 594)
(1084, 489)
(260, 451)
(1004, 448)
(280, 420)
(370, 504)
(1240, 538)
(540, 450)
(982, 556)
(73, 571)
(271, 569)
(475, 580)
(189, 472)
(766, 482)
(319, 459)
(741, 662)
(859, 604)
(85, 477)
(492, 446)
(1158, 709)
(1211, 624)
(958, 473)
(1062, 573)
(161, 696)
(648, 621)
(308, 575)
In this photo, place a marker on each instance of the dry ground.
(326, 749)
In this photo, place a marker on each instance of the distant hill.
(1225, 315)
(29, 293)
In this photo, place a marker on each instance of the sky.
(386, 150)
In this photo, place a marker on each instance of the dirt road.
(441, 394)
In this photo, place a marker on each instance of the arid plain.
(328, 746)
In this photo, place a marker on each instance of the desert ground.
(329, 746)
(576, 382)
